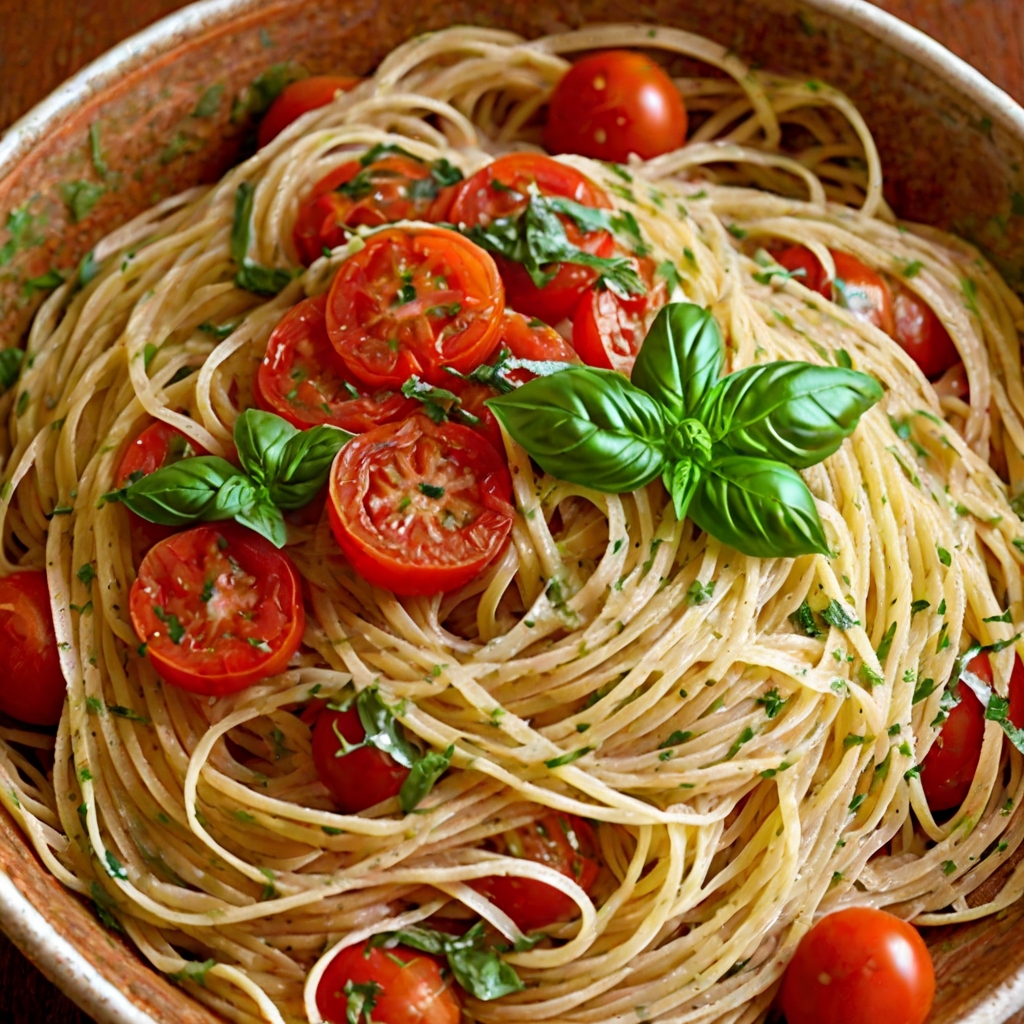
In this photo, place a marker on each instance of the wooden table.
(45, 41)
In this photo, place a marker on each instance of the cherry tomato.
(389, 188)
(608, 329)
(856, 286)
(420, 507)
(361, 778)
(31, 682)
(859, 966)
(304, 380)
(413, 301)
(478, 201)
(412, 988)
(954, 383)
(1016, 693)
(299, 98)
(218, 608)
(159, 445)
(560, 841)
(950, 764)
(614, 103)
(920, 332)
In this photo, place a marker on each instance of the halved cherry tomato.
(413, 301)
(608, 329)
(859, 966)
(412, 987)
(360, 778)
(614, 103)
(304, 380)
(31, 683)
(159, 445)
(420, 507)
(949, 766)
(560, 841)
(300, 98)
(478, 201)
(371, 191)
(218, 608)
(921, 334)
(856, 286)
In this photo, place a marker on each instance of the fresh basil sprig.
(479, 970)
(536, 238)
(727, 449)
(252, 276)
(282, 469)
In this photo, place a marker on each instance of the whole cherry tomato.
(920, 332)
(405, 987)
(415, 301)
(303, 379)
(420, 507)
(218, 608)
(299, 98)
(560, 841)
(501, 190)
(614, 103)
(31, 682)
(360, 778)
(859, 966)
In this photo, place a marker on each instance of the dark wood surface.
(45, 41)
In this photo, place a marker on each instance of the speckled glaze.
(952, 146)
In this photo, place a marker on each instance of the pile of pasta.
(199, 826)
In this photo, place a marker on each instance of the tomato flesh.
(31, 682)
(360, 778)
(303, 379)
(920, 332)
(412, 989)
(218, 608)
(614, 103)
(560, 841)
(420, 507)
(414, 301)
(299, 98)
(478, 201)
(949, 766)
(390, 188)
(859, 966)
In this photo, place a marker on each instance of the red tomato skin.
(859, 966)
(359, 779)
(477, 202)
(299, 98)
(868, 296)
(614, 103)
(949, 766)
(171, 573)
(414, 994)
(921, 334)
(383, 340)
(608, 330)
(412, 557)
(299, 343)
(534, 905)
(1016, 694)
(32, 685)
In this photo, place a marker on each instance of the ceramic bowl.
(952, 146)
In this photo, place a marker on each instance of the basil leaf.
(183, 492)
(587, 426)
(264, 517)
(235, 496)
(797, 413)
(426, 940)
(420, 781)
(483, 973)
(681, 483)
(360, 1001)
(10, 367)
(383, 730)
(304, 465)
(681, 358)
(759, 507)
(260, 438)
(251, 276)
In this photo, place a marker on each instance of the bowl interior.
(181, 111)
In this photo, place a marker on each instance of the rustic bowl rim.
(27, 928)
